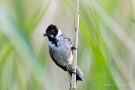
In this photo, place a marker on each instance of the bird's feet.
(71, 70)
(73, 48)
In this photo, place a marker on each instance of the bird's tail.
(79, 75)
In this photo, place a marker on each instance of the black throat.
(53, 40)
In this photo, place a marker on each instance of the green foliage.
(106, 44)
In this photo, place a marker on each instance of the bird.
(61, 52)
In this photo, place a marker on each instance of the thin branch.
(76, 22)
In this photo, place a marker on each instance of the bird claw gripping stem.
(73, 48)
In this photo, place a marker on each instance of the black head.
(51, 31)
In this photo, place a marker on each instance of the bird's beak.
(45, 34)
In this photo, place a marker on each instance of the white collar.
(59, 33)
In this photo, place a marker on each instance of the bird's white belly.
(62, 54)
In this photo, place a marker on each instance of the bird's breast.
(62, 53)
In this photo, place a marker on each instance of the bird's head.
(52, 31)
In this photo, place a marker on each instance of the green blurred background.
(106, 44)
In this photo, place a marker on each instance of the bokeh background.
(106, 50)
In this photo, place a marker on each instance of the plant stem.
(76, 22)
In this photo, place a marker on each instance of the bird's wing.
(69, 41)
(64, 68)
(72, 48)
